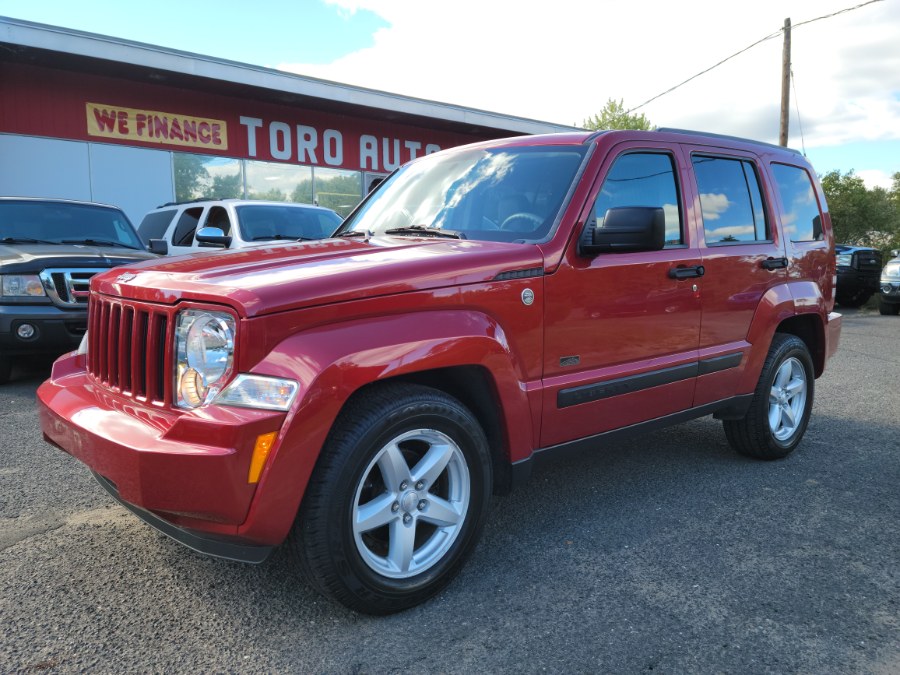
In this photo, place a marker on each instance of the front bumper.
(186, 469)
(890, 291)
(852, 281)
(55, 330)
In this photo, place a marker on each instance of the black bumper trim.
(220, 549)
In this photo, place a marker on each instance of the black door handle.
(687, 272)
(774, 263)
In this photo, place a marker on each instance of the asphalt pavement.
(666, 553)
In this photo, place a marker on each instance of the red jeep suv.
(485, 307)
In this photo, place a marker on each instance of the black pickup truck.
(858, 272)
(49, 250)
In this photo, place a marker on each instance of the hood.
(266, 279)
(32, 258)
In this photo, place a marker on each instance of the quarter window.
(642, 179)
(801, 220)
(730, 200)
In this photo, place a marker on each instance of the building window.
(205, 177)
(279, 182)
(338, 190)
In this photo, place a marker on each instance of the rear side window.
(154, 225)
(730, 199)
(642, 179)
(802, 220)
(187, 224)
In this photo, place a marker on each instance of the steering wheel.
(524, 219)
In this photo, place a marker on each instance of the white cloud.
(714, 204)
(875, 178)
(560, 63)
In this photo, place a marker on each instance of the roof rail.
(670, 130)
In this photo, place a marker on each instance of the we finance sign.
(153, 126)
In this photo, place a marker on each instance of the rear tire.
(857, 299)
(397, 501)
(780, 410)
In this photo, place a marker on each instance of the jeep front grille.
(127, 352)
(68, 287)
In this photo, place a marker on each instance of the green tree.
(862, 216)
(224, 187)
(614, 116)
(190, 176)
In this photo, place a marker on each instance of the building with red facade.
(85, 116)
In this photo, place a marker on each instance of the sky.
(561, 61)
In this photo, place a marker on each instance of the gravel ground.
(666, 553)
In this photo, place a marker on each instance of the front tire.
(5, 369)
(397, 500)
(780, 409)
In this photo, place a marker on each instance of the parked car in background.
(49, 250)
(858, 269)
(174, 229)
(889, 300)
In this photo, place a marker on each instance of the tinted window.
(801, 219)
(642, 179)
(730, 199)
(187, 224)
(218, 217)
(154, 225)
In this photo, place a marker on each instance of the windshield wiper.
(25, 240)
(98, 242)
(354, 233)
(425, 231)
(278, 237)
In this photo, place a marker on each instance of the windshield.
(58, 223)
(488, 194)
(261, 222)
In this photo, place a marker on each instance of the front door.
(621, 330)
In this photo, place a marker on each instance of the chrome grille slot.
(68, 287)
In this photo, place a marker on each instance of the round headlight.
(204, 344)
(209, 347)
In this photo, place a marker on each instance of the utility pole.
(785, 84)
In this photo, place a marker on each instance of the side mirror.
(895, 252)
(212, 236)
(158, 246)
(628, 228)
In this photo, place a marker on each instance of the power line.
(758, 42)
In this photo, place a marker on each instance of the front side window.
(642, 179)
(511, 194)
(185, 227)
(730, 200)
(801, 220)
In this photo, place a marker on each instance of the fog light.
(886, 288)
(26, 331)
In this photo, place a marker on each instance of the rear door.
(743, 256)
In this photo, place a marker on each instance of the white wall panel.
(134, 179)
(44, 167)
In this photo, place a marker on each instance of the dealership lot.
(667, 552)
